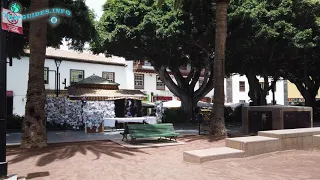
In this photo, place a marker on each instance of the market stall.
(88, 103)
(100, 97)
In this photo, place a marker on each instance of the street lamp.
(58, 63)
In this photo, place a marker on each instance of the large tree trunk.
(184, 88)
(217, 122)
(188, 107)
(256, 93)
(33, 127)
(308, 90)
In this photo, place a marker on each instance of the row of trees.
(278, 39)
(274, 39)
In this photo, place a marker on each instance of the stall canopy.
(97, 88)
(148, 104)
(177, 104)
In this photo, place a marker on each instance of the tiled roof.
(103, 94)
(94, 79)
(52, 53)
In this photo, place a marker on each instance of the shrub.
(173, 116)
(233, 115)
(14, 121)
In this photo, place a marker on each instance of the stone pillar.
(285, 92)
(229, 90)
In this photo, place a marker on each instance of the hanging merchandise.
(95, 111)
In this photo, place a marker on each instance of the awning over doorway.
(9, 93)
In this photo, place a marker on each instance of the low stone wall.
(293, 138)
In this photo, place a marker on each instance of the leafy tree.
(168, 38)
(301, 67)
(37, 35)
(77, 29)
(265, 34)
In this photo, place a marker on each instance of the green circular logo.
(15, 7)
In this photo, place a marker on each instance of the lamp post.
(58, 63)
(3, 99)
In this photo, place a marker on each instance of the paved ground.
(99, 160)
(76, 136)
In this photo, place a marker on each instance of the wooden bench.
(135, 131)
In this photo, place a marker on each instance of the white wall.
(17, 77)
(237, 95)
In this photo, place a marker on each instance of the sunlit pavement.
(76, 136)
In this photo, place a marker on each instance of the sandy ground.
(106, 160)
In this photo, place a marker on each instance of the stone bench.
(301, 138)
(254, 145)
(204, 155)
(316, 141)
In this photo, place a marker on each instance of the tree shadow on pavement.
(191, 138)
(62, 151)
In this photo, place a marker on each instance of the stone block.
(290, 133)
(204, 155)
(254, 145)
(316, 141)
(301, 138)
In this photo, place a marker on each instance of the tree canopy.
(168, 38)
(270, 38)
(78, 29)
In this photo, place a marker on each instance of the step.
(204, 155)
(301, 138)
(316, 141)
(254, 145)
(290, 133)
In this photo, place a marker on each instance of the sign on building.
(11, 21)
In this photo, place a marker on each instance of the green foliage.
(79, 28)
(139, 30)
(233, 115)
(14, 122)
(175, 115)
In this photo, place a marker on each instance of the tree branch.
(207, 85)
(165, 77)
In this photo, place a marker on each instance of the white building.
(236, 87)
(74, 67)
(77, 66)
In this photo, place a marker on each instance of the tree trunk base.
(217, 128)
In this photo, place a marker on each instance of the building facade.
(76, 66)
(294, 95)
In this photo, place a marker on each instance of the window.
(76, 75)
(138, 81)
(242, 86)
(108, 76)
(46, 75)
(160, 84)
(200, 82)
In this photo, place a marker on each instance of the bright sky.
(96, 5)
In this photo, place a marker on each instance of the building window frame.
(138, 78)
(242, 86)
(46, 73)
(106, 74)
(79, 70)
(159, 84)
